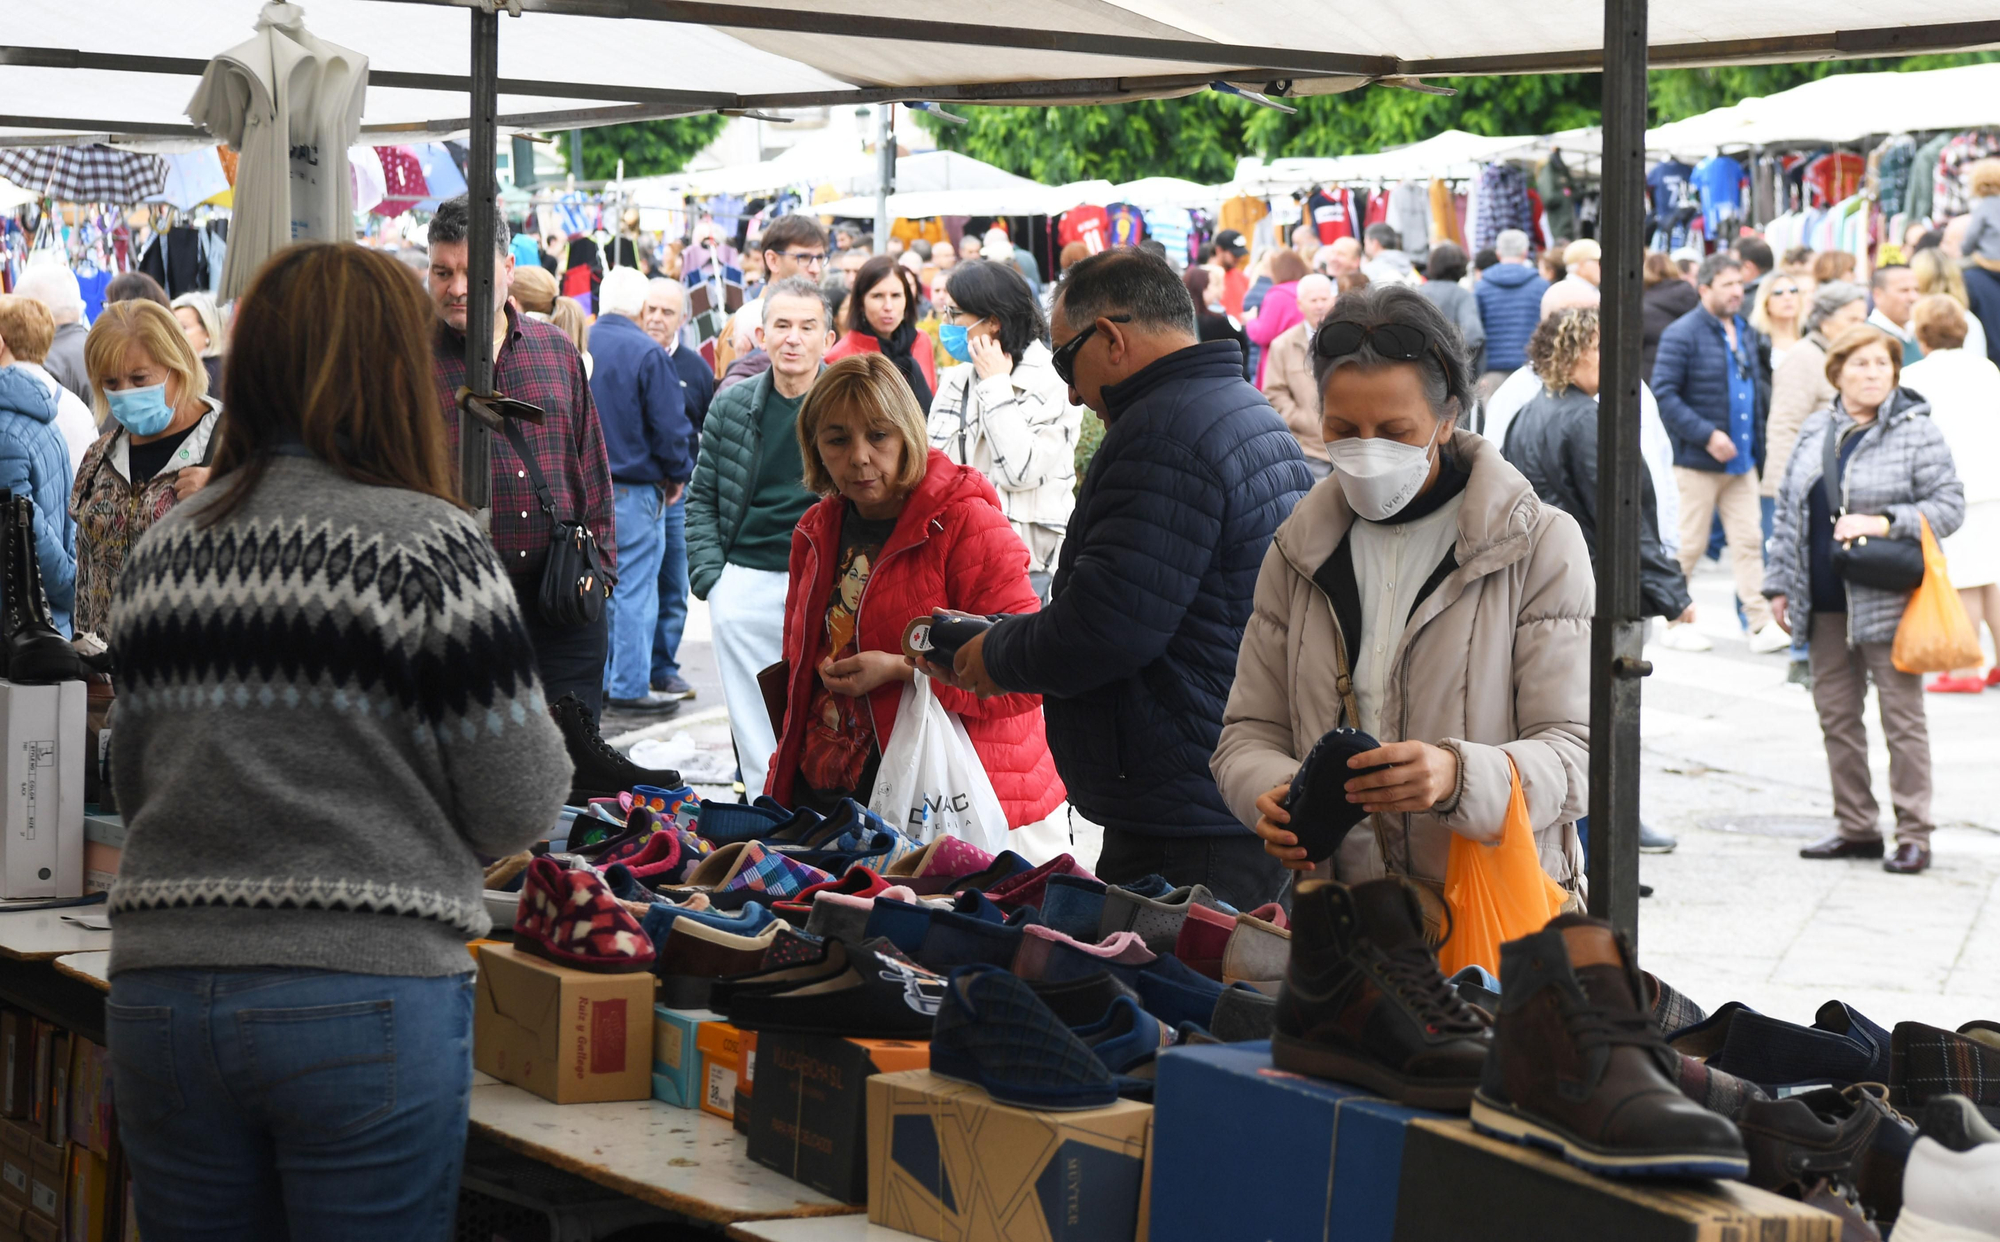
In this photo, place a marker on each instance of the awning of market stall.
(1845, 108)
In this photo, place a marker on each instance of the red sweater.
(951, 548)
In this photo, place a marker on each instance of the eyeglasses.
(1064, 359)
(815, 258)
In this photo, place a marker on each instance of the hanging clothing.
(1241, 213)
(1169, 227)
(1409, 213)
(178, 260)
(1125, 224)
(1332, 214)
(1667, 192)
(1953, 196)
(1087, 224)
(1501, 200)
(1719, 181)
(1558, 191)
(1445, 224)
(1834, 176)
(1917, 200)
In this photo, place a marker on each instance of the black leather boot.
(601, 772)
(37, 652)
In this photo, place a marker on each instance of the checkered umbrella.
(94, 174)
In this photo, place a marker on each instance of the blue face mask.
(952, 337)
(141, 411)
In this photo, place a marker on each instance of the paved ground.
(1734, 768)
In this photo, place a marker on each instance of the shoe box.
(809, 1113)
(569, 1036)
(1293, 1152)
(721, 1048)
(746, 1080)
(677, 1077)
(946, 1162)
(1501, 1192)
(41, 736)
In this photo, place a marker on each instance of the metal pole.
(1618, 633)
(475, 469)
(885, 166)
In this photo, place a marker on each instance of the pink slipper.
(1031, 961)
(571, 918)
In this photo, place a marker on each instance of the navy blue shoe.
(955, 940)
(1149, 886)
(993, 1031)
(1174, 994)
(751, 920)
(1072, 904)
(1126, 1038)
(903, 924)
(1841, 1047)
(1079, 1002)
(1006, 866)
(726, 823)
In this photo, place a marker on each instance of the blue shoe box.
(1244, 1150)
(676, 1061)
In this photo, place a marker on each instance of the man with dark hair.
(793, 245)
(1893, 289)
(1136, 652)
(1714, 398)
(1385, 263)
(1757, 261)
(532, 362)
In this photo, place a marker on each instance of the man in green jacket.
(747, 494)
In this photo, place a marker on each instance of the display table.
(826, 1229)
(90, 968)
(39, 935)
(683, 1160)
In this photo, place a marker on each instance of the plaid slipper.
(1926, 1062)
(773, 874)
(571, 918)
(1027, 888)
(1673, 1012)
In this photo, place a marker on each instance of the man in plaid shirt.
(533, 362)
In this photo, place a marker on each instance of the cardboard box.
(90, 1096)
(48, 1178)
(10, 1221)
(42, 738)
(809, 1116)
(746, 1079)
(90, 1199)
(676, 1058)
(38, 1229)
(17, 1063)
(1461, 1185)
(16, 1162)
(38, 1100)
(569, 1036)
(946, 1162)
(1217, 1107)
(58, 1110)
(721, 1048)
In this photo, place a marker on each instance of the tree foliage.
(649, 148)
(1201, 136)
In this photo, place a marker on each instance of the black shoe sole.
(1302, 1056)
(1866, 853)
(640, 707)
(1501, 1121)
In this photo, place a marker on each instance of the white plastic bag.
(931, 783)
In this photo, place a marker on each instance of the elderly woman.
(881, 318)
(1890, 465)
(1963, 388)
(203, 325)
(1799, 385)
(151, 392)
(905, 529)
(1004, 411)
(1460, 606)
(1937, 274)
(1279, 308)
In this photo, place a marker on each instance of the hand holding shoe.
(1417, 777)
(1279, 842)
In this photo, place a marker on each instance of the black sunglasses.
(1395, 341)
(1064, 359)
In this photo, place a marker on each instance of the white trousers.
(746, 617)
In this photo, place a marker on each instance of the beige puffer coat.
(1495, 663)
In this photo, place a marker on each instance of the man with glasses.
(1135, 654)
(792, 245)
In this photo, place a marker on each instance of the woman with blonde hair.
(1937, 274)
(903, 528)
(1779, 314)
(535, 292)
(151, 392)
(569, 315)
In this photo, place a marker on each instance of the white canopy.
(1844, 108)
(1453, 153)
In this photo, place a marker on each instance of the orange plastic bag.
(1935, 635)
(1496, 892)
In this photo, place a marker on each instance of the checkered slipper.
(571, 918)
(773, 874)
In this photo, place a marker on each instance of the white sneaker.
(1951, 1185)
(1770, 639)
(1684, 637)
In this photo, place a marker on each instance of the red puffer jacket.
(952, 548)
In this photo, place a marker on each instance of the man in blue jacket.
(1135, 655)
(1714, 397)
(651, 444)
(1510, 306)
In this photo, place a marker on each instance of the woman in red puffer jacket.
(902, 532)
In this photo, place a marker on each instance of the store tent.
(1167, 192)
(1843, 108)
(1453, 153)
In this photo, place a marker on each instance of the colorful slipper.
(571, 918)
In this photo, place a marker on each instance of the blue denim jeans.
(673, 595)
(291, 1104)
(634, 607)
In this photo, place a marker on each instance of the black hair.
(1754, 250)
(135, 286)
(1447, 262)
(1154, 246)
(1384, 235)
(451, 223)
(1487, 257)
(785, 232)
(1446, 372)
(1125, 280)
(873, 273)
(998, 292)
(1879, 279)
(1715, 265)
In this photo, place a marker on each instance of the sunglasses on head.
(1394, 341)
(1064, 358)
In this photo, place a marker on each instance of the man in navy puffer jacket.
(1135, 655)
(1510, 304)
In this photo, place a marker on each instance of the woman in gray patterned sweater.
(327, 710)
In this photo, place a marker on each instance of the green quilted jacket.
(725, 474)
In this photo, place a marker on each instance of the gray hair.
(1126, 281)
(1829, 298)
(623, 292)
(793, 287)
(1715, 265)
(54, 286)
(1444, 369)
(1511, 244)
(687, 295)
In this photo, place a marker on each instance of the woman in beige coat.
(1459, 602)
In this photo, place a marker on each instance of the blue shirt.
(1719, 181)
(1742, 399)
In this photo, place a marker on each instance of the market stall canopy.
(838, 161)
(115, 67)
(1845, 108)
(1453, 153)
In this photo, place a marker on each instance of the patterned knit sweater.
(327, 707)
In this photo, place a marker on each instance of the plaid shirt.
(538, 364)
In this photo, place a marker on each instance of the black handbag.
(573, 587)
(1882, 563)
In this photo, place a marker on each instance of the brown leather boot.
(1579, 1068)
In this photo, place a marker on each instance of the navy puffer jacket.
(1135, 656)
(1691, 381)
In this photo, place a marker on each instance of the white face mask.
(1380, 477)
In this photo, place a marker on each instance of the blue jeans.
(634, 607)
(673, 595)
(291, 1104)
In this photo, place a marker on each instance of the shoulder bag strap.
(1829, 477)
(543, 496)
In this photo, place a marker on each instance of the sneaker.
(571, 918)
(601, 771)
(1364, 1001)
(1257, 954)
(1579, 1068)
(1948, 684)
(1652, 841)
(675, 686)
(994, 1032)
(1157, 919)
(652, 703)
(1800, 674)
(1770, 640)
(1683, 636)
(873, 996)
(1951, 1189)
